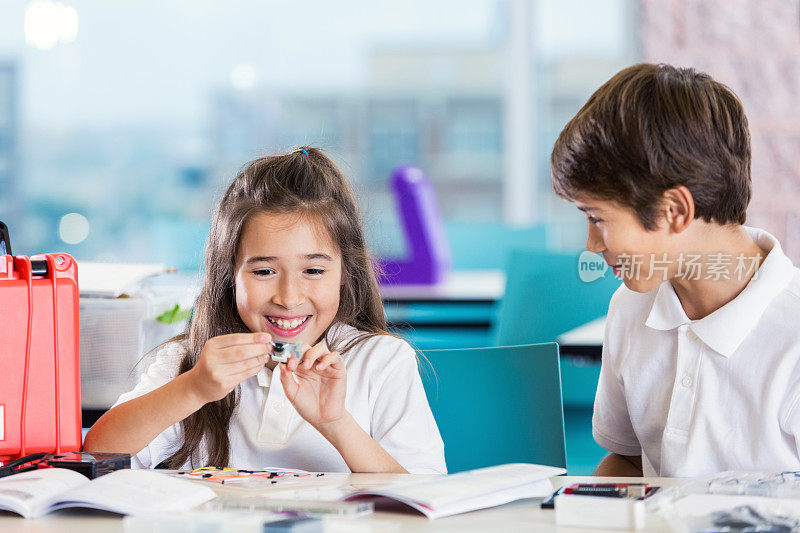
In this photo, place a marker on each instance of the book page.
(535, 489)
(470, 490)
(445, 490)
(29, 493)
(136, 492)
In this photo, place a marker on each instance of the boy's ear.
(678, 208)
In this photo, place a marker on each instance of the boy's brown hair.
(651, 128)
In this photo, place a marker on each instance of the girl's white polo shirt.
(384, 394)
(704, 396)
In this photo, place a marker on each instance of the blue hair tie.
(301, 150)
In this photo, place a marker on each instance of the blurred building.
(439, 108)
(145, 189)
(139, 149)
(137, 187)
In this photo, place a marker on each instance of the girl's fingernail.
(264, 338)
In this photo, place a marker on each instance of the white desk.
(589, 334)
(585, 340)
(459, 285)
(520, 516)
(457, 313)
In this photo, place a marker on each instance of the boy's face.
(287, 277)
(635, 254)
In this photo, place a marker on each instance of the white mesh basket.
(116, 336)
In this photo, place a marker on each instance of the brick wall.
(753, 47)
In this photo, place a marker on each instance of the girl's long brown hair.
(305, 182)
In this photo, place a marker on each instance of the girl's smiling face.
(288, 274)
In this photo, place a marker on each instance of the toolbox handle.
(5, 240)
(50, 261)
(39, 267)
(23, 265)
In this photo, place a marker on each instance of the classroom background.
(121, 122)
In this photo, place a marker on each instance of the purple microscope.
(429, 257)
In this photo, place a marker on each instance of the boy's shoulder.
(785, 307)
(793, 288)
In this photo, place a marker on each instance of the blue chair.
(497, 405)
(495, 240)
(544, 297)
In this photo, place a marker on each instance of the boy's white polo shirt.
(704, 396)
(384, 395)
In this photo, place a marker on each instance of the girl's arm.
(225, 362)
(318, 396)
(130, 426)
(360, 451)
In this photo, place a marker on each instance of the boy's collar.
(726, 328)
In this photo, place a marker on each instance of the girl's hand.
(318, 395)
(228, 360)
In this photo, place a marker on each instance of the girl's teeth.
(288, 324)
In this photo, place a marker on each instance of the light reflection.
(243, 76)
(73, 228)
(48, 23)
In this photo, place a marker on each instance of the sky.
(154, 61)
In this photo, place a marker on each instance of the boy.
(701, 357)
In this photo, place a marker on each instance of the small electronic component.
(613, 490)
(604, 505)
(282, 351)
(610, 490)
(91, 465)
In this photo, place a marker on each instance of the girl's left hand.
(319, 392)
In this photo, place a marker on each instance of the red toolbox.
(40, 406)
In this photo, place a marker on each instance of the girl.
(285, 261)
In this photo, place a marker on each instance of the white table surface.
(520, 516)
(589, 334)
(461, 285)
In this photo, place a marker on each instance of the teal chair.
(544, 298)
(495, 240)
(497, 405)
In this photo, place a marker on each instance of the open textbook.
(133, 492)
(470, 490)
(433, 495)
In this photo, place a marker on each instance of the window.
(118, 132)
